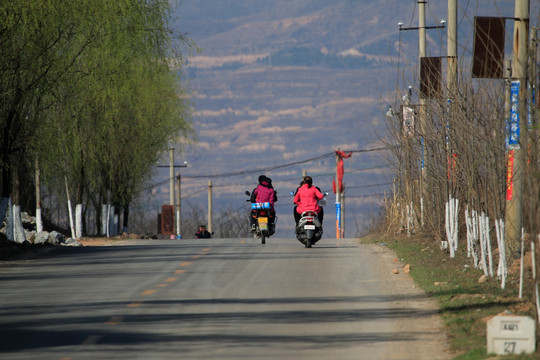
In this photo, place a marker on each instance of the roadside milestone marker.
(509, 334)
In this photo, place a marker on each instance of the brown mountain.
(280, 82)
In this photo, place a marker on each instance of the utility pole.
(171, 185)
(517, 149)
(451, 80)
(338, 202)
(451, 62)
(171, 176)
(210, 206)
(179, 206)
(343, 212)
(422, 112)
(39, 223)
(533, 78)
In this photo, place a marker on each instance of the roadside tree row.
(87, 101)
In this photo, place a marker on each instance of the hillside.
(281, 82)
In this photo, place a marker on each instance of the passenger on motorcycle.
(264, 192)
(306, 198)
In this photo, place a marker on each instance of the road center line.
(186, 263)
(91, 340)
(149, 292)
(115, 320)
(179, 271)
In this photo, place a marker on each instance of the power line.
(366, 195)
(245, 172)
(364, 186)
(259, 170)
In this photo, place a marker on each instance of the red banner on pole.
(340, 170)
(510, 176)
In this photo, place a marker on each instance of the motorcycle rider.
(264, 192)
(202, 233)
(306, 198)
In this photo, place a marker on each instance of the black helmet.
(262, 179)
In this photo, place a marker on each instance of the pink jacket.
(306, 198)
(264, 194)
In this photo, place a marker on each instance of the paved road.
(215, 299)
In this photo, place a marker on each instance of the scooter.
(264, 228)
(309, 229)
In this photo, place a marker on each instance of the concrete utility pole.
(507, 82)
(422, 112)
(210, 206)
(343, 212)
(533, 77)
(179, 206)
(518, 119)
(451, 62)
(451, 80)
(39, 223)
(338, 202)
(171, 176)
(171, 187)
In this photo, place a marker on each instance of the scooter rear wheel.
(263, 239)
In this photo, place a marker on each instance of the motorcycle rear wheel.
(263, 238)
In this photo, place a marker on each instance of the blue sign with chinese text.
(512, 124)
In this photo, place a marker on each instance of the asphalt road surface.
(216, 299)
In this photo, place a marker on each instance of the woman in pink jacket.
(264, 192)
(306, 199)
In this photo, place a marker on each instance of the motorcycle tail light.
(309, 219)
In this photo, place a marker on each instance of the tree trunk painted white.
(78, 221)
(4, 208)
(476, 238)
(451, 224)
(9, 222)
(468, 224)
(422, 212)
(411, 216)
(104, 220)
(533, 260)
(488, 243)
(483, 244)
(402, 222)
(536, 287)
(108, 220)
(113, 221)
(39, 222)
(70, 210)
(502, 269)
(18, 230)
(537, 303)
(447, 227)
(71, 225)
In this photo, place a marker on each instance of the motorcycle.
(264, 227)
(309, 229)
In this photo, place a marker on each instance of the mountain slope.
(255, 112)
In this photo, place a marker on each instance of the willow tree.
(98, 92)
